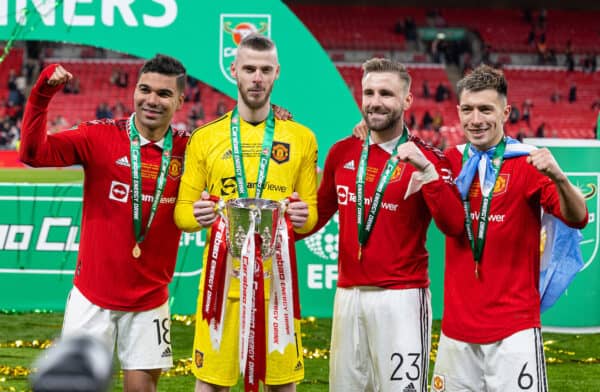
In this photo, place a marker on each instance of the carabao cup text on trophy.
(241, 212)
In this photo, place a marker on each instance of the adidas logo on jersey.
(227, 155)
(123, 161)
(298, 366)
(410, 388)
(167, 352)
(349, 165)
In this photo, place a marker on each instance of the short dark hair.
(257, 42)
(482, 78)
(377, 64)
(166, 65)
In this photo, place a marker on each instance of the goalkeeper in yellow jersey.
(248, 153)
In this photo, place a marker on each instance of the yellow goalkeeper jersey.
(209, 166)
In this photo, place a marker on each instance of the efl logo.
(118, 191)
(342, 194)
(589, 183)
(234, 27)
(324, 244)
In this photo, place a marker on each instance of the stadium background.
(313, 90)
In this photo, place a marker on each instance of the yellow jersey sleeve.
(193, 181)
(306, 182)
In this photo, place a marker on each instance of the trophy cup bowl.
(241, 212)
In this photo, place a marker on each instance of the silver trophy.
(240, 214)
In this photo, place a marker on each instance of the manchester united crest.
(438, 384)
(175, 167)
(499, 187)
(397, 174)
(280, 152)
(198, 359)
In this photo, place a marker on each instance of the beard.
(390, 121)
(253, 103)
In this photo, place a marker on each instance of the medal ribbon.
(252, 313)
(364, 229)
(136, 177)
(284, 304)
(215, 281)
(477, 244)
(238, 160)
(256, 365)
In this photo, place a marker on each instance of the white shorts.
(380, 340)
(515, 363)
(143, 338)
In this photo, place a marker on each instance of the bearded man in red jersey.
(387, 189)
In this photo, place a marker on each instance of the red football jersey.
(394, 256)
(107, 273)
(505, 299)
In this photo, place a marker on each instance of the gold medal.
(136, 251)
(359, 252)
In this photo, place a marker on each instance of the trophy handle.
(220, 208)
(283, 205)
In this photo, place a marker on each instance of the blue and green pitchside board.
(39, 223)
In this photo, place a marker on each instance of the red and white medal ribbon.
(246, 287)
(216, 326)
(281, 304)
(252, 311)
(216, 281)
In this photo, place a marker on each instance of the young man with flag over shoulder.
(491, 339)
(129, 242)
(248, 153)
(387, 189)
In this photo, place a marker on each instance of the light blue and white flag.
(480, 162)
(561, 259)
